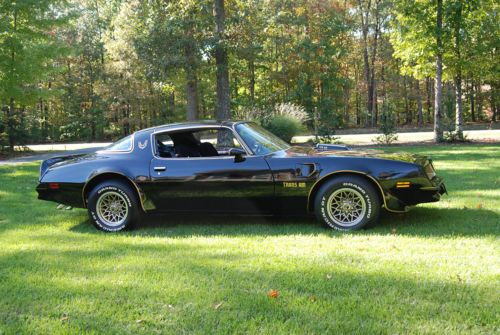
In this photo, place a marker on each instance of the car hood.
(297, 151)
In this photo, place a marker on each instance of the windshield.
(259, 140)
(125, 144)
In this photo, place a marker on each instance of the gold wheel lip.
(356, 218)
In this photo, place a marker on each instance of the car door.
(211, 184)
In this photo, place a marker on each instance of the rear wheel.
(113, 206)
(347, 203)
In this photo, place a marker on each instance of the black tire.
(124, 195)
(364, 205)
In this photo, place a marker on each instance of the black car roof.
(192, 124)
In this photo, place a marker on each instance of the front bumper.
(400, 200)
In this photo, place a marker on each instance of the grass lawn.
(434, 270)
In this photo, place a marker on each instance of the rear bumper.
(67, 194)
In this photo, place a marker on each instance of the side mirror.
(239, 154)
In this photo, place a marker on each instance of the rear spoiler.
(51, 161)
(329, 147)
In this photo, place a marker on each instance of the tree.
(175, 36)
(438, 130)
(372, 19)
(221, 60)
(136, 64)
(28, 50)
(417, 38)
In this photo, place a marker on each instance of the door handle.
(160, 168)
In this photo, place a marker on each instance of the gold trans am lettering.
(293, 184)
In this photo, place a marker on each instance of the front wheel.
(347, 203)
(113, 206)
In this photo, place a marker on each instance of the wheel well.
(315, 188)
(96, 180)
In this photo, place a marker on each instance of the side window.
(196, 143)
(222, 139)
(164, 146)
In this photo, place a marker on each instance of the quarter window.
(125, 144)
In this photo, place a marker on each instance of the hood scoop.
(331, 147)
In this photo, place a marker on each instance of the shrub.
(250, 113)
(387, 126)
(326, 134)
(292, 111)
(264, 115)
(4, 141)
(455, 137)
(283, 126)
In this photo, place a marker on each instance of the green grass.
(434, 270)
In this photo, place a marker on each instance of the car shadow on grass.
(417, 222)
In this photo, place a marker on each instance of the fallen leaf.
(273, 294)
(312, 298)
(64, 317)
(479, 206)
(68, 208)
(393, 231)
(60, 206)
(328, 276)
(139, 321)
(216, 306)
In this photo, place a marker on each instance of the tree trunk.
(373, 81)
(251, 70)
(223, 99)
(192, 94)
(357, 95)
(191, 83)
(364, 14)
(420, 116)
(11, 112)
(346, 105)
(438, 129)
(428, 88)
(10, 124)
(408, 115)
(472, 99)
(494, 103)
(459, 122)
(203, 105)
(171, 104)
(478, 96)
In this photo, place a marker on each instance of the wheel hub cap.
(346, 207)
(112, 208)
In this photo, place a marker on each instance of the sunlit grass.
(433, 270)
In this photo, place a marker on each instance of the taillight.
(54, 186)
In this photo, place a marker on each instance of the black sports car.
(235, 167)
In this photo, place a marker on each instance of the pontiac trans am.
(235, 167)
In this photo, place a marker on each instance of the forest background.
(89, 70)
